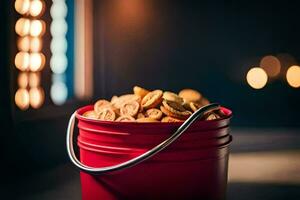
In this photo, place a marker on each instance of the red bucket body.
(194, 166)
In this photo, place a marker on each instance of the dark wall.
(206, 45)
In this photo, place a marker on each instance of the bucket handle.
(100, 170)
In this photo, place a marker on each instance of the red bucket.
(194, 166)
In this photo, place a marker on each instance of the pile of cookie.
(151, 106)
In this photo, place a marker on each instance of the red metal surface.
(194, 166)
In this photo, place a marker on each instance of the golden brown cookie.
(126, 98)
(194, 106)
(170, 96)
(174, 110)
(91, 114)
(106, 114)
(125, 118)
(190, 95)
(204, 101)
(130, 108)
(154, 113)
(140, 91)
(100, 104)
(152, 99)
(140, 115)
(212, 116)
(186, 105)
(171, 119)
(114, 99)
(146, 119)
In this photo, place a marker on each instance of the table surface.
(264, 164)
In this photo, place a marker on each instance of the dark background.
(206, 45)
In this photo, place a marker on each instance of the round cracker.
(130, 108)
(190, 95)
(154, 113)
(152, 99)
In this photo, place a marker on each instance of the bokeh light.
(58, 27)
(59, 45)
(22, 98)
(35, 44)
(22, 27)
(36, 8)
(293, 76)
(58, 63)
(257, 78)
(37, 61)
(23, 80)
(22, 61)
(22, 6)
(36, 97)
(59, 92)
(271, 65)
(58, 10)
(23, 43)
(37, 27)
(34, 79)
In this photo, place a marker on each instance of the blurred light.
(59, 93)
(58, 27)
(22, 99)
(23, 43)
(58, 10)
(36, 8)
(22, 27)
(271, 65)
(58, 63)
(34, 79)
(23, 80)
(36, 96)
(37, 61)
(37, 27)
(257, 78)
(59, 45)
(22, 61)
(35, 44)
(22, 6)
(293, 76)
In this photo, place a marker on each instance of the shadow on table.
(259, 191)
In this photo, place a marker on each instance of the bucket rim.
(80, 111)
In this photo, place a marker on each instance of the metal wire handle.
(140, 158)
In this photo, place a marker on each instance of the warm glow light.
(30, 59)
(35, 44)
(36, 8)
(22, 6)
(22, 27)
(23, 43)
(22, 61)
(22, 99)
(257, 78)
(37, 61)
(34, 79)
(293, 76)
(36, 96)
(271, 65)
(23, 80)
(37, 27)
(59, 92)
